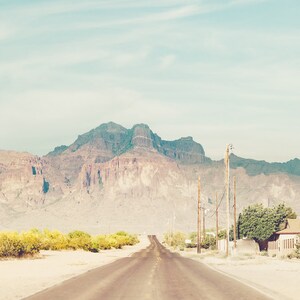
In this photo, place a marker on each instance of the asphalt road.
(153, 273)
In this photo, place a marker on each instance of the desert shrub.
(94, 245)
(101, 242)
(264, 253)
(116, 241)
(54, 240)
(121, 233)
(296, 253)
(193, 237)
(175, 240)
(208, 242)
(32, 241)
(222, 234)
(11, 245)
(79, 240)
(125, 238)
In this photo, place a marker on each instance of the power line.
(224, 190)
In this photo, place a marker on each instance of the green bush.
(194, 238)
(222, 234)
(296, 253)
(208, 242)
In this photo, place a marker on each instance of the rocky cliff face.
(24, 181)
(115, 178)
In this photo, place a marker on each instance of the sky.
(222, 71)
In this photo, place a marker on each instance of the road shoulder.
(278, 279)
(22, 278)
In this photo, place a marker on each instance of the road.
(153, 273)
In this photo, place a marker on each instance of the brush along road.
(153, 273)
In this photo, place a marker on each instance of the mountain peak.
(111, 139)
(110, 126)
(142, 136)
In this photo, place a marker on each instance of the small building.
(284, 242)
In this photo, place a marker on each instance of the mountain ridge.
(113, 178)
(115, 140)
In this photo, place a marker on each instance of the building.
(283, 242)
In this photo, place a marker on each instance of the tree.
(256, 222)
(259, 223)
(281, 213)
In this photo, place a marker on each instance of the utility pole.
(227, 176)
(204, 212)
(217, 222)
(234, 214)
(199, 218)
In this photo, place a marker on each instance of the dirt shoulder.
(24, 277)
(278, 278)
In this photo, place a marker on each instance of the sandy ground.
(22, 278)
(278, 278)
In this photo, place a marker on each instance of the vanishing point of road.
(154, 273)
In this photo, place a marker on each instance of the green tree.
(280, 214)
(256, 222)
(259, 223)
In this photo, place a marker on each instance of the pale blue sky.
(221, 71)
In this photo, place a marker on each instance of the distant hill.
(256, 167)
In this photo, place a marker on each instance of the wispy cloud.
(167, 61)
(6, 31)
(163, 62)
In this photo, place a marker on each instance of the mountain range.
(113, 178)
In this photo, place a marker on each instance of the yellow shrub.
(54, 240)
(32, 241)
(11, 245)
(79, 240)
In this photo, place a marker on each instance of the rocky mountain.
(114, 178)
(111, 140)
(256, 167)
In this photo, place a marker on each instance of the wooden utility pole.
(199, 218)
(227, 176)
(217, 221)
(234, 210)
(204, 233)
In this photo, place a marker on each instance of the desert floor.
(20, 278)
(277, 278)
